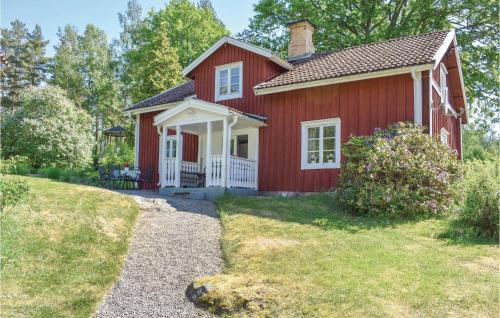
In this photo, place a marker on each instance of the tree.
(14, 43)
(68, 64)
(37, 63)
(49, 129)
(167, 40)
(101, 87)
(27, 61)
(345, 23)
(85, 69)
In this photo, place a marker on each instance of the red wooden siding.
(362, 107)
(149, 143)
(256, 69)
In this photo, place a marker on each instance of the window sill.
(321, 166)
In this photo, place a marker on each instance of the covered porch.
(227, 146)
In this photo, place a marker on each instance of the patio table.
(130, 177)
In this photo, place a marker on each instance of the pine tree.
(14, 77)
(36, 62)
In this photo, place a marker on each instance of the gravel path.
(174, 243)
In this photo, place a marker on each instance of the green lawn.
(62, 250)
(303, 258)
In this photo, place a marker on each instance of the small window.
(228, 81)
(170, 147)
(321, 144)
(444, 136)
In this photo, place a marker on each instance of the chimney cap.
(301, 20)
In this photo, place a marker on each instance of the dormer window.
(228, 81)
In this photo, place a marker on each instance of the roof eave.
(342, 79)
(243, 45)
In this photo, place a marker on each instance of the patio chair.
(114, 176)
(103, 177)
(146, 179)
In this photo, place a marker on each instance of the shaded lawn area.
(304, 258)
(62, 249)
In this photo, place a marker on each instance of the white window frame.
(320, 123)
(444, 136)
(171, 139)
(228, 67)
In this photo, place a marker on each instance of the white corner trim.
(243, 45)
(343, 79)
(430, 102)
(438, 56)
(228, 67)
(304, 165)
(137, 140)
(417, 97)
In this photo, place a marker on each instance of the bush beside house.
(400, 171)
(48, 129)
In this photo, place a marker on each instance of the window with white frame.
(320, 147)
(444, 136)
(442, 83)
(228, 81)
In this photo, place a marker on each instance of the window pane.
(328, 156)
(313, 145)
(223, 74)
(313, 132)
(232, 147)
(235, 71)
(329, 131)
(313, 157)
(235, 80)
(222, 82)
(242, 147)
(222, 90)
(235, 88)
(329, 144)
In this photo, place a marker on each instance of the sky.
(51, 14)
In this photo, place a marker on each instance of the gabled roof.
(243, 45)
(175, 94)
(386, 55)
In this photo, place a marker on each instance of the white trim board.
(343, 79)
(243, 45)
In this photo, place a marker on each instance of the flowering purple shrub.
(399, 171)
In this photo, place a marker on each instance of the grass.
(303, 257)
(62, 249)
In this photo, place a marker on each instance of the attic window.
(228, 81)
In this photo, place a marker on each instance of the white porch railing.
(169, 168)
(242, 173)
(215, 171)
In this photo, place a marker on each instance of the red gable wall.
(256, 69)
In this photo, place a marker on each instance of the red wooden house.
(247, 119)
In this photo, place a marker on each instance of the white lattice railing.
(215, 171)
(190, 166)
(242, 173)
(169, 170)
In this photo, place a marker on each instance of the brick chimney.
(301, 42)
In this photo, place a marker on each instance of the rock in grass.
(195, 291)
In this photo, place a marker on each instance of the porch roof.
(216, 109)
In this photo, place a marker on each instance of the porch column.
(209, 154)
(161, 153)
(178, 156)
(224, 153)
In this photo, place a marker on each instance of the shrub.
(19, 165)
(49, 129)
(54, 173)
(480, 209)
(12, 191)
(118, 153)
(400, 171)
